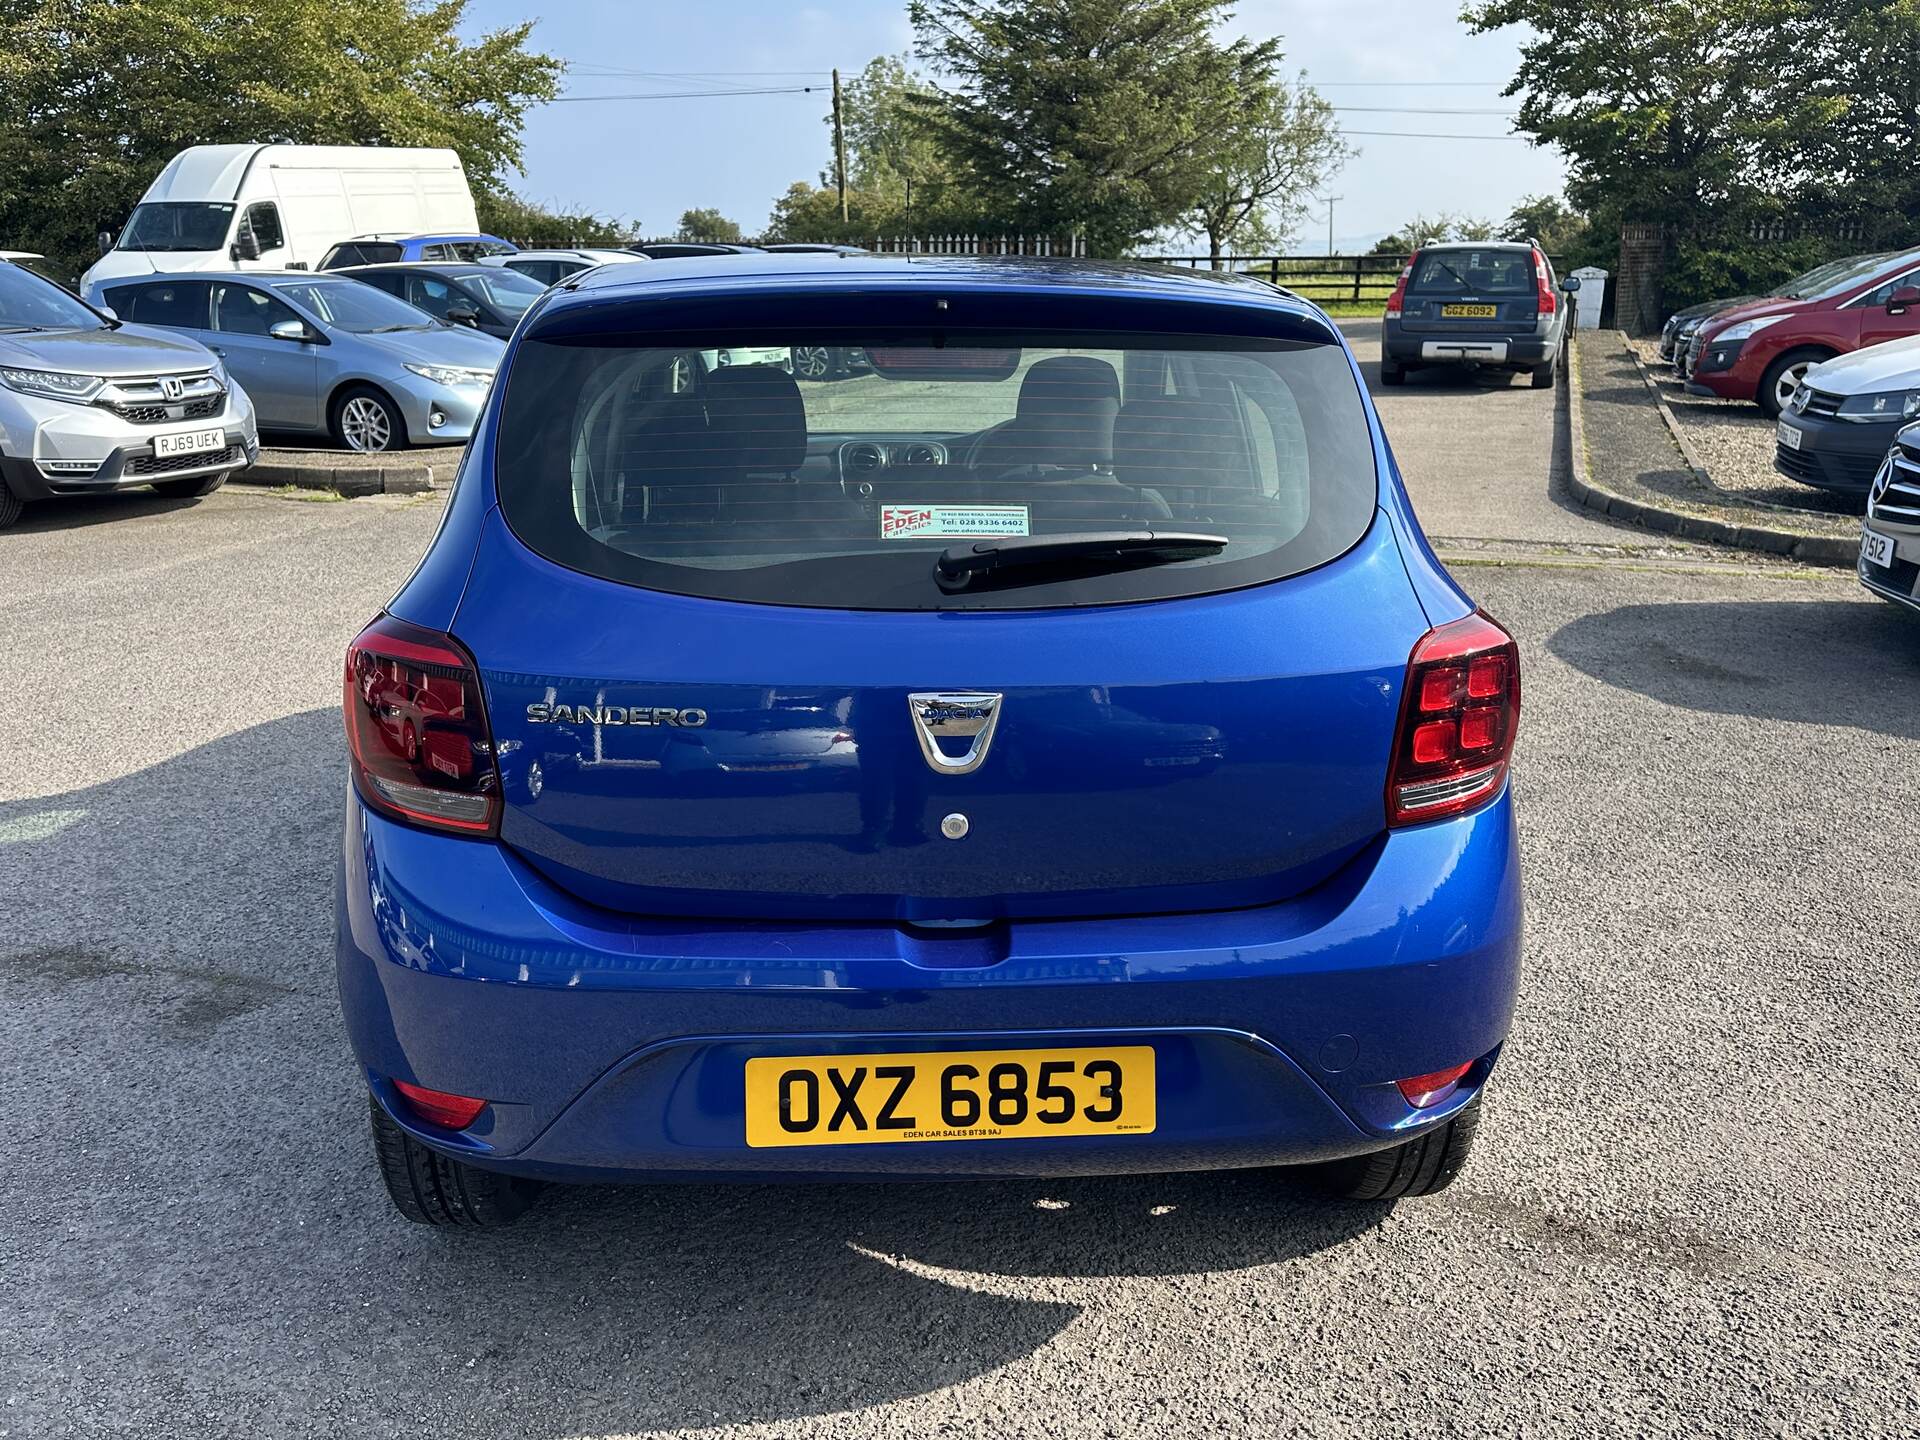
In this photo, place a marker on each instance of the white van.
(278, 207)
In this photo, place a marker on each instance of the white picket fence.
(1065, 246)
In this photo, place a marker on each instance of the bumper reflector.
(1422, 1091)
(436, 1107)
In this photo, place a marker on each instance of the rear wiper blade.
(961, 566)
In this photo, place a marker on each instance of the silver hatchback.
(88, 404)
(325, 355)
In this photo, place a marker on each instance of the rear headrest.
(1076, 384)
(1176, 440)
(759, 421)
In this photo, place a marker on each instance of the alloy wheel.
(812, 362)
(364, 424)
(1789, 382)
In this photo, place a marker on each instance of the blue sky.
(650, 160)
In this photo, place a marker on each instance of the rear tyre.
(430, 1189)
(1422, 1166)
(1541, 377)
(1783, 378)
(191, 489)
(10, 506)
(1392, 372)
(365, 420)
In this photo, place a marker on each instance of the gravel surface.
(1691, 1213)
(1735, 443)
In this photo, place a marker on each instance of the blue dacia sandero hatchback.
(1051, 749)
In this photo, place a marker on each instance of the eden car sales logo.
(902, 522)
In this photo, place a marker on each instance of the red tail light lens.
(1423, 1091)
(1396, 302)
(1549, 302)
(449, 1112)
(1457, 721)
(417, 729)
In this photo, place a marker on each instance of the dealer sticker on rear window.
(906, 522)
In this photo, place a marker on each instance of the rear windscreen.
(1477, 272)
(833, 469)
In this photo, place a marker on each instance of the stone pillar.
(1637, 283)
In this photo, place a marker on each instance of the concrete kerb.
(338, 472)
(1829, 550)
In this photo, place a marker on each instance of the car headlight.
(451, 375)
(53, 384)
(1747, 329)
(1883, 405)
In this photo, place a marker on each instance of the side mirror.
(292, 330)
(463, 315)
(245, 246)
(1570, 284)
(108, 311)
(1903, 299)
(104, 240)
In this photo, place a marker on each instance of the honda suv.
(1054, 751)
(1477, 304)
(89, 405)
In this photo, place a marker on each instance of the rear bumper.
(614, 1047)
(1429, 347)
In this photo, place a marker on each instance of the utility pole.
(1330, 200)
(839, 147)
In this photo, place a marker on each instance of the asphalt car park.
(1693, 1217)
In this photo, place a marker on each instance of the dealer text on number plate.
(949, 1095)
(194, 442)
(1467, 312)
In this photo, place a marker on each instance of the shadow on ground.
(192, 1225)
(1828, 662)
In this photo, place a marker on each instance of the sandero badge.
(649, 865)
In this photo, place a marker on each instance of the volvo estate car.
(1491, 304)
(1054, 751)
(88, 404)
(323, 355)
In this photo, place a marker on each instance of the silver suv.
(88, 404)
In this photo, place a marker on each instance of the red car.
(1760, 350)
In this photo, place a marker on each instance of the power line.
(1415, 110)
(687, 74)
(692, 94)
(1407, 84)
(1431, 135)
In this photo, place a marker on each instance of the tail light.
(1549, 302)
(1457, 721)
(1398, 299)
(417, 729)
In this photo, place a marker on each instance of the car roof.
(434, 267)
(743, 274)
(1477, 245)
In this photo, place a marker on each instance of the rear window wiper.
(962, 566)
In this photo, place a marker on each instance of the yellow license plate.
(949, 1095)
(1468, 312)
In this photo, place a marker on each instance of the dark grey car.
(1493, 303)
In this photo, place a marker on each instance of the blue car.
(1055, 751)
(389, 249)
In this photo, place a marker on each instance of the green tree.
(1422, 230)
(1669, 111)
(518, 219)
(708, 224)
(1560, 229)
(1283, 146)
(97, 95)
(1102, 116)
(893, 156)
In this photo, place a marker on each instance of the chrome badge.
(958, 714)
(615, 715)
